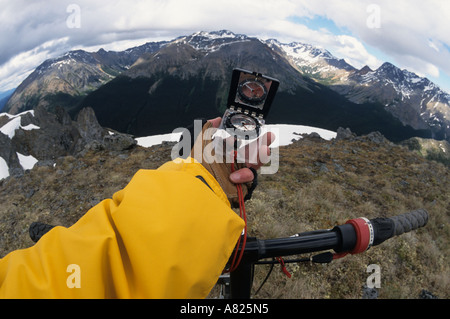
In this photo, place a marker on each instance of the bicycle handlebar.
(355, 236)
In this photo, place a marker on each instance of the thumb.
(244, 175)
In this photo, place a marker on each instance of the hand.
(245, 175)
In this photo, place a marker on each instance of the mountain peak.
(102, 51)
(387, 65)
(388, 71)
(366, 69)
(210, 40)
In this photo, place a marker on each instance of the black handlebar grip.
(409, 221)
(383, 229)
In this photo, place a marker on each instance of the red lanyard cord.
(243, 215)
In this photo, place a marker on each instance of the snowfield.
(284, 135)
(153, 140)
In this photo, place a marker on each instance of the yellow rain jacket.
(167, 234)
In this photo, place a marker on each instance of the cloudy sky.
(412, 34)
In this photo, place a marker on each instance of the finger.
(215, 122)
(244, 175)
(263, 158)
(257, 152)
(268, 138)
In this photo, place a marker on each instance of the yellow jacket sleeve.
(167, 234)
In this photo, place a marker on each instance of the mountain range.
(156, 87)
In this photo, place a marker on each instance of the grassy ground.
(319, 184)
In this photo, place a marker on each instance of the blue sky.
(412, 34)
(319, 22)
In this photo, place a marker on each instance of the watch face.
(252, 91)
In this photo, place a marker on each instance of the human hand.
(260, 147)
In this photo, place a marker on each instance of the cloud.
(21, 65)
(355, 52)
(413, 33)
(342, 46)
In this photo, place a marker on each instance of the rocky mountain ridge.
(415, 100)
(215, 54)
(314, 62)
(39, 137)
(65, 81)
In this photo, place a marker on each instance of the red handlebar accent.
(364, 234)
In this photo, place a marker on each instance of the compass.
(252, 91)
(249, 100)
(244, 125)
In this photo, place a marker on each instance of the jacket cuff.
(197, 170)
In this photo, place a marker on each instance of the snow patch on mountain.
(4, 169)
(14, 124)
(27, 162)
(301, 52)
(315, 62)
(212, 41)
(9, 129)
